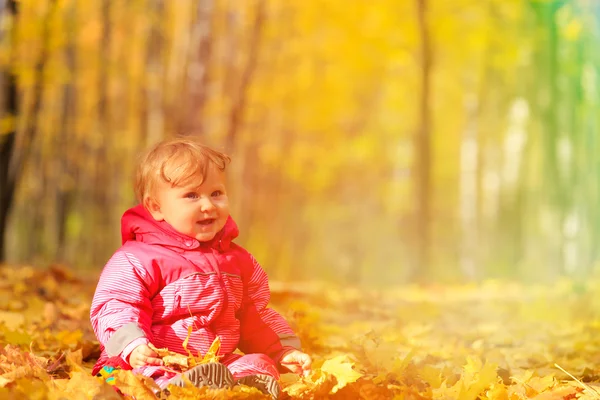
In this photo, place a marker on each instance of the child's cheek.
(221, 202)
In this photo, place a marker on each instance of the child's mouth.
(206, 221)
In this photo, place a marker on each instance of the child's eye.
(191, 195)
(216, 193)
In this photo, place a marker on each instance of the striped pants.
(240, 366)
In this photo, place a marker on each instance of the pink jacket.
(161, 282)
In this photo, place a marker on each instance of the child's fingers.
(144, 355)
(142, 360)
(298, 363)
(148, 352)
(303, 361)
(152, 361)
(307, 362)
(294, 367)
(149, 356)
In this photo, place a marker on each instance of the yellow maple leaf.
(185, 342)
(83, 385)
(211, 354)
(497, 392)
(177, 360)
(171, 359)
(213, 351)
(376, 392)
(25, 388)
(138, 386)
(12, 320)
(162, 352)
(342, 368)
(70, 338)
(537, 385)
(17, 337)
(565, 392)
(317, 384)
(476, 378)
(431, 375)
(74, 360)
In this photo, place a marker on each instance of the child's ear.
(153, 208)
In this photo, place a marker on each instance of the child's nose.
(206, 204)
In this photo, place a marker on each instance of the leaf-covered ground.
(490, 341)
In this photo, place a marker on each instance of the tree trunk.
(101, 192)
(241, 94)
(7, 141)
(191, 121)
(153, 110)
(422, 167)
(66, 190)
(7, 184)
(469, 190)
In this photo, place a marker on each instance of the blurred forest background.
(373, 142)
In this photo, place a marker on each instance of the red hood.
(137, 224)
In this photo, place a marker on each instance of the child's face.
(196, 211)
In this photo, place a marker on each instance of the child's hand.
(297, 362)
(143, 355)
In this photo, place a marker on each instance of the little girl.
(178, 268)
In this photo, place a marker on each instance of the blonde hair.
(176, 161)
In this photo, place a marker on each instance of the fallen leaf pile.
(492, 341)
(179, 362)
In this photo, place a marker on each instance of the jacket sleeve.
(121, 310)
(263, 330)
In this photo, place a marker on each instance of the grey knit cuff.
(290, 341)
(122, 337)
